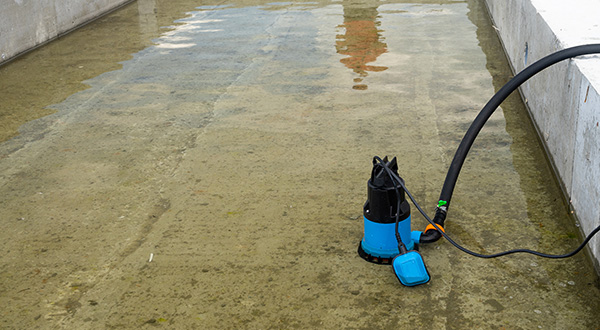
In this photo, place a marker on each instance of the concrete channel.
(192, 166)
(564, 100)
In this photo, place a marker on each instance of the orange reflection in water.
(362, 41)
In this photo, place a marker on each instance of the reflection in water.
(147, 12)
(362, 40)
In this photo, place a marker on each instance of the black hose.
(485, 113)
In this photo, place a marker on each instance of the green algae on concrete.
(234, 150)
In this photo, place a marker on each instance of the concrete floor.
(206, 167)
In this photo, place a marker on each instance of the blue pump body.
(380, 238)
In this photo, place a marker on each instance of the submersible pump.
(388, 238)
(387, 232)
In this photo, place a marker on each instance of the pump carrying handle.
(433, 235)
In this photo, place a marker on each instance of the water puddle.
(31, 83)
(209, 171)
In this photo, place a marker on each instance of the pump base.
(373, 259)
(379, 260)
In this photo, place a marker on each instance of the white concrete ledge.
(26, 24)
(563, 100)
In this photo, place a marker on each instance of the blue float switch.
(410, 269)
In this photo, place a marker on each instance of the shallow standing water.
(230, 144)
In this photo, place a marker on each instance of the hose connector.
(431, 234)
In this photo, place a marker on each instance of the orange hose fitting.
(430, 226)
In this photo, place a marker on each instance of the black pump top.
(382, 202)
(379, 177)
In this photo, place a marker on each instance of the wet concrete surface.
(209, 172)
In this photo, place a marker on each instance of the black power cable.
(398, 182)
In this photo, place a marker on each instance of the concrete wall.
(563, 100)
(25, 24)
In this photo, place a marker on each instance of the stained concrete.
(25, 24)
(563, 99)
(205, 167)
